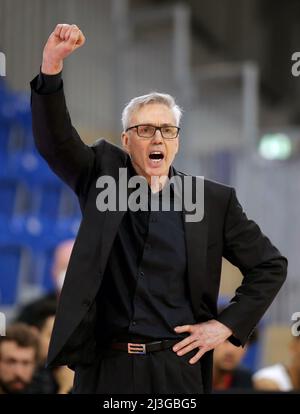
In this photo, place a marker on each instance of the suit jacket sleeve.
(263, 268)
(58, 141)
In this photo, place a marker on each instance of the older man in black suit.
(137, 313)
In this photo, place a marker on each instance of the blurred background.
(229, 66)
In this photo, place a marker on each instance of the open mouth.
(156, 156)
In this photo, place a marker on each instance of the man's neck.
(155, 182)
(221, 379)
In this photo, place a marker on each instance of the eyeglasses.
(148, 131)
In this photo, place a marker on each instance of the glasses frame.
(156, 128)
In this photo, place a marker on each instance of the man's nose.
(19, 372)
(157, 137)
(22, 368)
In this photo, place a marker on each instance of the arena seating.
(36, 209)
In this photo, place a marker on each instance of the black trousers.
(159, 372)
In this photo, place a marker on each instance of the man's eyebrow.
(161, 125)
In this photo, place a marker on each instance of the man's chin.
(13, 388)
(16, 392)
(228, 368)
(157, 172)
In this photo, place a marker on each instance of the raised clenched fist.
(61, 43)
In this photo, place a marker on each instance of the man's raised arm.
(55, 137)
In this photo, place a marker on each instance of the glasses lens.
(169, 132)
(146, 131)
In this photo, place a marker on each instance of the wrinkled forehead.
(153, 113)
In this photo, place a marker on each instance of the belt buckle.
(136, 348)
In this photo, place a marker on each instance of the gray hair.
(153, 97)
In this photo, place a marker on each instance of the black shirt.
(144, 293)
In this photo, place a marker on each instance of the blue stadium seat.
(9, 189)
(253, 356)
(4, 136)
(67, 228)
(44, 267)
(23, 118)
(42, 235)
(13, 267)
(70, 208)
(37, 210)
(30, 167)
(3, 165)
(44, 250)
(48, 200)
(14, 206)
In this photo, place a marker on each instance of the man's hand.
(64, 378)
(203, 336)
(61, 43)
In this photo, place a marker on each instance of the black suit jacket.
(224, 231)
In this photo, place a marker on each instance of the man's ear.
(125, 141)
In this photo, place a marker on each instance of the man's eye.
(146, 129)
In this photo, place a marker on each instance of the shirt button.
(147, 246)
(142, 274)
(133, 323)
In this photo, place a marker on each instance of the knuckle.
(68, 49)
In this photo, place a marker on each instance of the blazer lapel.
(112, 219)
(196, 234)
(196, 245)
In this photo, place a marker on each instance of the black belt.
(142, 349)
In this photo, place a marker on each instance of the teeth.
(156, 156)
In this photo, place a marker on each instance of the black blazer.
(224, 231)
